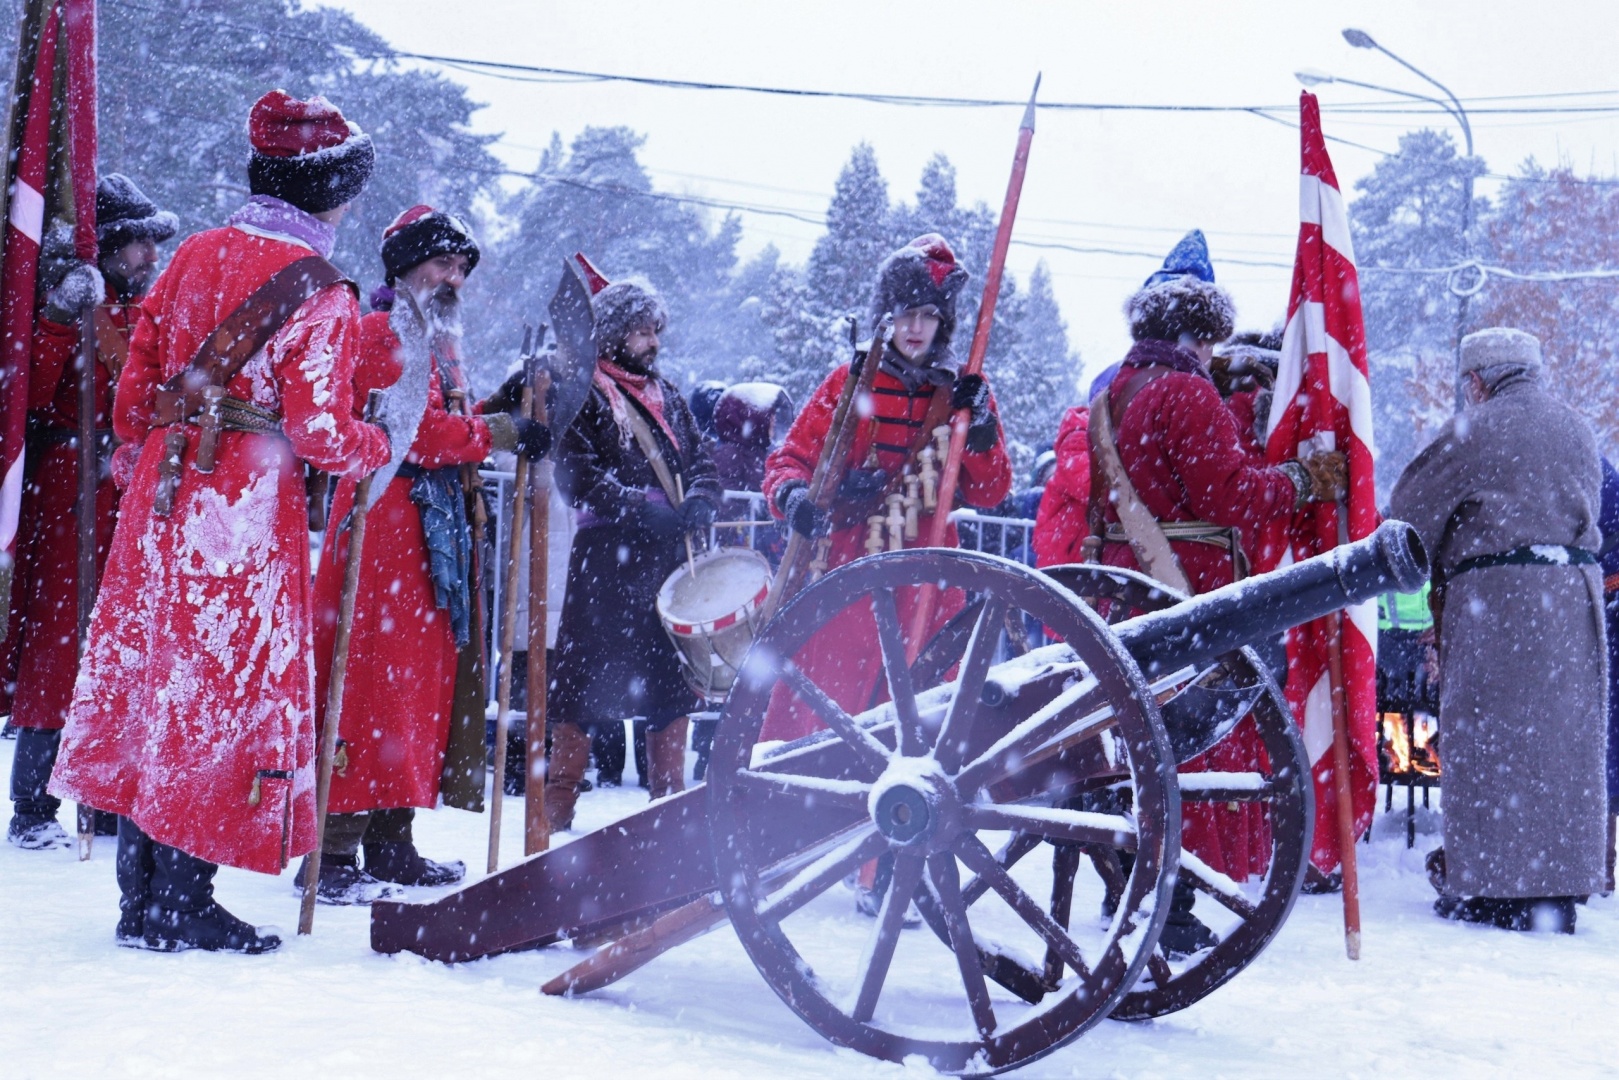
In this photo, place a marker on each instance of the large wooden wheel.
(936, 781)
(1245, 916)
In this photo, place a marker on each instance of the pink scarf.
(614, 382)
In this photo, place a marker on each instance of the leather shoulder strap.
(112, 342)
(654, 455)
(1152, 548)
(255, 321)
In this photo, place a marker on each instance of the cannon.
(976, 761)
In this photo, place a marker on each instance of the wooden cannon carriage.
(971, 765)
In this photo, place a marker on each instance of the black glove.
(533, 439)
(971, 392)
(802, 516)
(79, 288)
(862, 485)
(696, 514)
(509, 398)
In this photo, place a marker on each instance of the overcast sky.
(1131, 181)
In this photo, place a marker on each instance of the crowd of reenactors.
(191, 723)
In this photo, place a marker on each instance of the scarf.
(914, 376)
(276, 219)
(1164, 354)
(443, 508)
(614, 382)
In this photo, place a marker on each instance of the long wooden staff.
(334, 692)
(508, 629)
(88, 476)
(828, 471)
(1341, 785)
(536, 823)
(951, 475)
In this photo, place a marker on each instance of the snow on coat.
(199, 678)
(1522, 660)
(843, 657)
(1061, 524)
(46, 631)
(399, 688)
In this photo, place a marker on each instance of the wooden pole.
(88, 482)
(536, 823)
(334, 692)
(950, 475)
(1342, 789)
(508, 640)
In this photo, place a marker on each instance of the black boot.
(33, 823)
(1554, 914)
(184, 915)
(342, 883)
(391, 855)
(607, 748)
(134, 868)
(106, 823)
(1184, 934)
(643, 769)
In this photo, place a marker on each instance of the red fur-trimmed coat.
(843, 658)
(200, 673)
(399, 686)
(45, 598)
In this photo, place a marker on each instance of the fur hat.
(1500, 345)
(623, 307)
(124, 214)
(1183, 307)
(925, 271)
(305, 153)
(419, 234)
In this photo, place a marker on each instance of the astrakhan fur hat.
(624, 307)
(1183, 308)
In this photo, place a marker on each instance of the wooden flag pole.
(508, 640)
(536, 823)
(1342, 790)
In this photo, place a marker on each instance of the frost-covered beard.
(638, 362)
(441, 308)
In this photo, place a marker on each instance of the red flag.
(50, 177)
(1323, 402)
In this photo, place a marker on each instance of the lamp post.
(1360, 39)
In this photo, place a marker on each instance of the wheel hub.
(912, 802)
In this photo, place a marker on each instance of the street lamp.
(1360, 39)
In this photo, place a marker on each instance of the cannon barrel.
(1392, 559)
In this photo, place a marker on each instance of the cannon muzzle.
(1392, 559)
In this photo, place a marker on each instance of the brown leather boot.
(570, 754)
(666, 758)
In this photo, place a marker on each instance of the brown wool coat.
(1523, 656)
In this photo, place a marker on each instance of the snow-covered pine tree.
(1036, 381)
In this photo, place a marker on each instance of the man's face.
(914, 331)
(436, 285)
(134, 265)
(640, 347)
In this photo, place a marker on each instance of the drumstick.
(691, 559)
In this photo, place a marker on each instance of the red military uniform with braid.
(843, 658)
(43, 640)
(399, 686)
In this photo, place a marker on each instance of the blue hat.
(1189, 257)
(1103, 381)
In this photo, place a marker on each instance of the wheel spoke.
(1204, 878)
(865, 746)
(1017, 847)
(816, 795)
(1226, 787)
(970, 684)
(823, 873)
(1075, 826)
(1159, 967)
(1065, 864)
(908, 867)
(978, 858)
(947, 884)
(1083, 699)
(912, 743)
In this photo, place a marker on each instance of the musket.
(828, 471)
(951, 474)
(334, 691)
(87, 533)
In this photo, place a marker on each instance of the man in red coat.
(413, 606)
(914, 389)
(1191, 469)
(129, 226)
(194, 713)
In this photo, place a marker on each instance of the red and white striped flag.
(1323, 401)
(50, 176)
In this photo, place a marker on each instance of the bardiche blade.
(573, 364)
(403, 404)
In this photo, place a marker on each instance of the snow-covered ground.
(1428, 999)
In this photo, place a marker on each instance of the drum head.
(728, 582)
